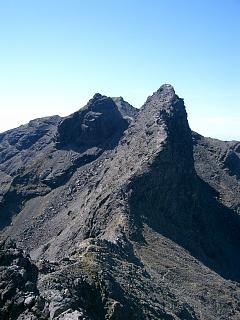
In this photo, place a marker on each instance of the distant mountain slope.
(127, 214)
(218, 164)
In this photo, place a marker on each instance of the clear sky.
(55, 54)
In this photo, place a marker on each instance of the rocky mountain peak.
(97, 96)
(164, 99)
(124, 214)
(100, 103)
(98, 123)
(165, 110)
(166, 88)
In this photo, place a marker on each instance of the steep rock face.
(127, 110)
(132, 231)
(98, 124)
(218, 164)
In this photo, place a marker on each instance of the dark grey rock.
(127, 215)
(98, 124)
(127, 110)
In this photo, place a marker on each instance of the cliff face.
(100, 124)
(127, 207)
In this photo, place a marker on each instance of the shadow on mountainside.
(188, 212)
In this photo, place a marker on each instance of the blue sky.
(56, 54)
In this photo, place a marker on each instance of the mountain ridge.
(118, 210)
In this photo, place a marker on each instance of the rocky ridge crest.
(123, 213)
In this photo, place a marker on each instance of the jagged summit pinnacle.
(164, 98)
(166, 91)
(98, 100)
(98, 96)
(167, 88)
(98, 123)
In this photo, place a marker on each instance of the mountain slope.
(117, 219)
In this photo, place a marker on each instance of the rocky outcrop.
(124, 216)
(98, 124)
(18, 278)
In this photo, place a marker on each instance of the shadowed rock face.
(99, 124)
(127, 214)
